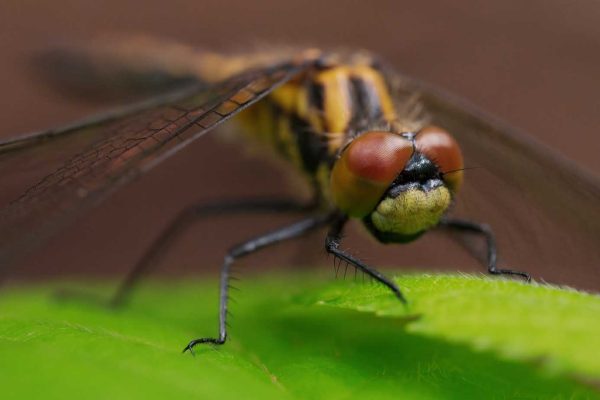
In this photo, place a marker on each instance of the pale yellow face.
(412, 211)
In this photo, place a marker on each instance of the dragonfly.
(376, 146)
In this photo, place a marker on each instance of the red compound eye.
(378, 156)
(440, 147)
(366, 169)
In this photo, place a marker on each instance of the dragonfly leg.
(186, 219)
(288, 232)
(332, 246)
(486, 232)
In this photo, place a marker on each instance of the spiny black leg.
(332, 244)
(490, 240)
(288, 232)
(186, 219)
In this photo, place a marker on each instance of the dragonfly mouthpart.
(415, 202)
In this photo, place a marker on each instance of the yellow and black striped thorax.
(310, 118)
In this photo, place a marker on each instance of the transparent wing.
(544, 209)
(117, 66)
(50, 177)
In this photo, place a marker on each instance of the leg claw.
(190, 346)
(523, 275)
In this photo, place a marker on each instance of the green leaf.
(284, 346)
(558, 328)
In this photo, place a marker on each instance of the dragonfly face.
(399, 184)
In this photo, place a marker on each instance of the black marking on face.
(420, 172)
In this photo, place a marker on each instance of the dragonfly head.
(400, 185)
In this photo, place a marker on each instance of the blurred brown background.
(535, 64)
